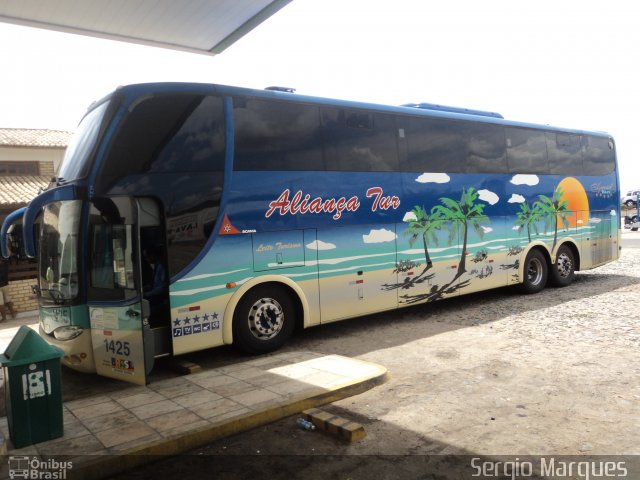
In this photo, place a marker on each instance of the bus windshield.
(58, 273)
(75, 163)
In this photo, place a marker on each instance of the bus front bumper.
(78, 352)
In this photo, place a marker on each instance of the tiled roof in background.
(34, 138)
(21, 189)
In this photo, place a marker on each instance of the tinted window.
(485, 148)
(276, 136)
(565, 153)
(169, 133)
(599, 157)
(196, 142)
(172, 147)
(359, 141)
(526, 151)
(433, 145)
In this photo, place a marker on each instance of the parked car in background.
(631, 222)
(629, 198)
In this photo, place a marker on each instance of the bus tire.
(535, 272)
(263, 319)
(561, 272)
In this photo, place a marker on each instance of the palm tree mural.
(423, 227)
(455, 216)
(528, 217)
(462, 215)
(555, 209)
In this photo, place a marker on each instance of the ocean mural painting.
(435, 246)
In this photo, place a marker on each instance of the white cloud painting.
(433, 178)
(320, 245)
(409, 217)
(488, 196)
(529, 180)
(379, 236)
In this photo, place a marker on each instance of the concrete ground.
(113, 432)
(486, 375)
(495, 375)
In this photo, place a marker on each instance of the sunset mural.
(575, 194)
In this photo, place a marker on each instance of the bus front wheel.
(535, 272)
(263, 320)
(561, 274)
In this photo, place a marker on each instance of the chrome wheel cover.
(265, 318)
(564, 264)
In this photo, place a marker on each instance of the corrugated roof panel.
(203, 26)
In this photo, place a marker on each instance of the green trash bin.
(33, 388)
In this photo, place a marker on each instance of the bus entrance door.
(118, 338)
(123, 340)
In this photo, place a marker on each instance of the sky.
(566, 63)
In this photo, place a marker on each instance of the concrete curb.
(102, 466)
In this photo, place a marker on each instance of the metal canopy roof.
(201, 26)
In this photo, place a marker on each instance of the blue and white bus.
(267, 211)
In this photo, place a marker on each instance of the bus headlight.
(67, 333)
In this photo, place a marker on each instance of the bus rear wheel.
(535, 272)
(561, 274)
(263, 320)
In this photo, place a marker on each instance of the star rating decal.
(189, 325)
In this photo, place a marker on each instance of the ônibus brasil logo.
(36, 468)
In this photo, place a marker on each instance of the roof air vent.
(444, 108)
(282, 89)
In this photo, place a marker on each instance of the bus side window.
(276, 136)
(599, 157)
(485, 148)
(565, 153)
(434, 145)
(526, 151)
(357, 141)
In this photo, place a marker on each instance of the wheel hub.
(534, 271)
(265, 318)
(564, 265)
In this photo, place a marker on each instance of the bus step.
(161, 341)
